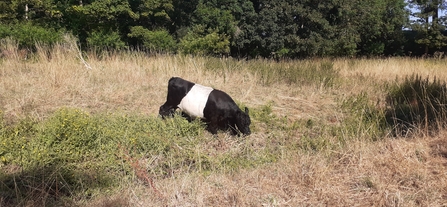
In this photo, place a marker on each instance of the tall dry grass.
(389, 172)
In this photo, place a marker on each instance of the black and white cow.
(214, 107)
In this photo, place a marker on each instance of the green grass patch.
(362, 119)
(77, 154)
(74, 154)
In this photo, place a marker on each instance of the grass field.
(85, 132)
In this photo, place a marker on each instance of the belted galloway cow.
(215, 107)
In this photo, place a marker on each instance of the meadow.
(82, 129)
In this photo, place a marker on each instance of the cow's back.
(195, 100)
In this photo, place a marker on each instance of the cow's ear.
(246, 110)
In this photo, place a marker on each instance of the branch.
(82, 59)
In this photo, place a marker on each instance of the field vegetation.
(82, 129)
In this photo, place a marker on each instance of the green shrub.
(105, 39)
(155, 41)
(16, 140)
(417, 102)
(27, 35)
(68, 136)
(5, 31)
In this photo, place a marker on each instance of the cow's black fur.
(220, 112)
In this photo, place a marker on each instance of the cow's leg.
(233, 130)
(212, 125)
(232, 126)
(186, 116)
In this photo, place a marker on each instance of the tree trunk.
(26, 11)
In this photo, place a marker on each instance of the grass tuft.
(417, 103)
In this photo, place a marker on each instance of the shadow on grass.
(49, 186)
(417, 103)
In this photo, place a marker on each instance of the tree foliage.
(429, 24)
(27, 35)
(159, 40)
(241, 28)
(104, 40)
(205, 43)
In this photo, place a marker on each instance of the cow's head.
(243, 122)
(166, 111)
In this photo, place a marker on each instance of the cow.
(215, 107)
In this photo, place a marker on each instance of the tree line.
(238, 28)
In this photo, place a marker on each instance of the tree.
(245, 41)
(8, 12)
(182, 16)
(212, 27)
(242, 28)
(429, 24)
(289, 28)
(380, 26)
(211, 16)
(42, 12)
(110, 18)
(302, 28)
(153, 13)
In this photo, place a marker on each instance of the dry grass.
(390, 172)
(390, 68)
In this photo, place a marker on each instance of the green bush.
(417, 103)
(105, 39)
(155, 41)
(67, 137)
(27, 35)
(16, 140)
(5, 31)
